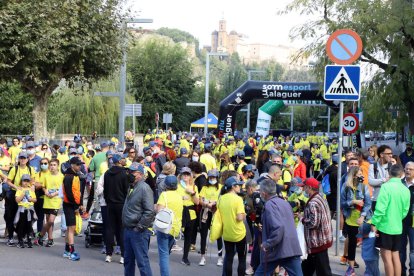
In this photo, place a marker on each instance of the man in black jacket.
(408, 231)
(181, 161)
(115, 191)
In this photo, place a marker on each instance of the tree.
(387, 32)
(45, 41)
(162, 80)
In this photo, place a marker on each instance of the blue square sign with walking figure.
(342, 83)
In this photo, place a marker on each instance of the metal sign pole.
(338, 184)
(133, 117)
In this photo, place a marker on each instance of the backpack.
(164, 219)
(326, 185)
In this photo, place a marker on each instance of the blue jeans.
(292, 265)
(372, 268)
(63, 222)
(407, 236)
(165, 243)
(136, 246)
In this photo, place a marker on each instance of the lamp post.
(207, 88)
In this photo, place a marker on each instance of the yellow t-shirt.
(103, 167)
(4, 161)
(188, 200)
(229, 206)
(175, 204)
(229, 167)
(317, 165)
(24, 202)
(241, 166)
(14, 152)
(20, 173)
(210, 192)
(208, 161)
(52, 183)
(62, 158)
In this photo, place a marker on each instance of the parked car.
(389, 135)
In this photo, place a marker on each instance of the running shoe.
(249, 271)
(121, 261)
(185, 262)
(29, 244)
(176, 248)
(11, 243)
(74, 256)
(20, 244)
(350, 271)
(202, 261)
(343, 260)
(66, 254)
(117, 250)
(50, 243)
(220, 261)
(108, 258)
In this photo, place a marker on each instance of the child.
(25, 216)
(297, 198)
(369, 253)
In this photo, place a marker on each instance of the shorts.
(54, 212)
(69, 211)
(388, 242)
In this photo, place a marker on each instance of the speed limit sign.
(350, 123)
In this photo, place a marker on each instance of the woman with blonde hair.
(189, 193)
(356, 207)
(373, 154)
(226, 164)
(167, 169)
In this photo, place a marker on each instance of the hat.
(231, 181)
(171, 181)
(183, 151)
(23, 154)
(25, 177)
(30, 144)
(137, 167)
(76, 160)
(62, 149)
(312, 182)
(80, 150)
(111, 144)
(212, 173)
(98, 147)
(73, 150)
(299, 153)
(408, 143)
(248, 168)
(152, 144)
(145, 149)
(36, 144)
(297, 181)
(291, 149)
(241, 154)
(104, 145)
(109, 152)
(185, 170)
(72, 145)
(169, 144)
(363, 230)
(116, 158)
(207, 146)
(335, 158)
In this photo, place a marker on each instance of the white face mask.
(31, 152)
(213, 181)
(195, 158)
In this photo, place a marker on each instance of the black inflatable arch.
(265, 90)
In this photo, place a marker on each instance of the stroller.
(94, 230)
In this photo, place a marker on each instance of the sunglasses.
(44, 148)
(22, 157)
(44, 163)
(132, 152)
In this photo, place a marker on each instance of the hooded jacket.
(115, 185)
(73, 186)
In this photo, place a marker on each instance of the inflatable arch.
(264, 90)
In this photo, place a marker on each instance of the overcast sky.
(256, 19)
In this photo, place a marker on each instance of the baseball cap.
(183, 151)
(241, 154)
(137, 167)
(169, 144)
(146, 149)
(23, 154)
(152, 144)
(212, 173)
(185, 170)
(299, 153)
(104, 145)
(109, 152)
(25, 177)
(207, 146)
(312, 182)
(30, 144)
(62, 149)
(248, 168)
(73, 150)
(76, 160)
(291, 149)
(409, 143)
(117, 157)
(297, 181)
(171, 181)
(363, 230)
(232, 181)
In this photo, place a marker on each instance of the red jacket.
(300, 171)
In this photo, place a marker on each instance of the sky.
(258, 20)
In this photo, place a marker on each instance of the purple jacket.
(279, 232)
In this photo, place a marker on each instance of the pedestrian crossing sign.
(342, 83)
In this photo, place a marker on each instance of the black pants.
(352, 231)
(24, 227)
(10, 210)
(231, 249)
(90, 197)
(38, 206)
(373, 204)
(114, 228)
(203, 233)
(319, 263)
(196, 227)
(188, 234)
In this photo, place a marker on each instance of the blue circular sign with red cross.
(344, 47)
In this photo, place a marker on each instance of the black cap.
(76, 160)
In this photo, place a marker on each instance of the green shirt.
(392, 206)
(96, 162)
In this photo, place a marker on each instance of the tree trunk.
(40, 116)
(410, 108)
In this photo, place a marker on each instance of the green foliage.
(161, 79)
(16, 107)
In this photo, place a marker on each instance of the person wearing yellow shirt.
(189, 193)
(44, 152)
(131, 153)
(4, 162)
(207, 159)
(233, 214)
(240, 161)
(62, 155)
(225, 163)
(14, 151)
(105, 165)
(231, 147)
(185, 142)
(317, 166)
(172, 200)
(240, 144)
(51, 184)
(25, 216)
(209, 196)
(325, 153)
(333, 148)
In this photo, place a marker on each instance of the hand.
(82, 208)
(263, 248)
(374, 229)
(260, 227)
(189, 191)
(360, 220)
(359, 202)
(186, 197)
(47, 194)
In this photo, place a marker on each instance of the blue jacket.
(347, 195)
(405, 158)
(368, 250)
(279, 232)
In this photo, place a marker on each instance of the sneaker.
(342, 239)
(20, 244)
(103, 250)
(220, 261)
(356, 265)
(29, 244)
(185, 262)
(66, 254)
(343, 260)
(193, 248)
(38, 241)
(108, 259)
(117, 250)
(79, 235)
(176, 248)
(121, 261)
(11, 243)
(202, 261)
(85, 216)
(249, 271)
(74, 256)
(50, 243)
(350, 271)
(62, 233)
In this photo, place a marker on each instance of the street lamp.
(207, 87)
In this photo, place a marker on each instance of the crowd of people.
(274, 197)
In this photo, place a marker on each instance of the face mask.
(212, 181)
(298, 191)
(31, 152)
(89, 147)
(182, 182)
(294, 158)
(155, 151)
(131, 178)
(44, 167)
(306, 194)
(195, 158)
